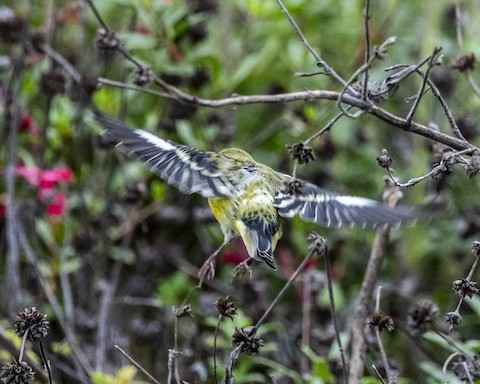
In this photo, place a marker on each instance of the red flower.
(47, 180)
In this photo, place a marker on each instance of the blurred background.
(105, 248)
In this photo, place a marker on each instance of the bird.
(246, 197)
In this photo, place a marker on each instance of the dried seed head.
(106, 42)
(453, 318)
(301, 153)
(384, 160)
(465, 287)
(294, 187)
(318, 244)
(473, 166)
(142, 76)
(465, 63)
(183, 311)
(226, 307)
(476, 248)
(381, 321)
(421, 316)
(251, 343)
(467, 368)
(18, 372)
(36, 323)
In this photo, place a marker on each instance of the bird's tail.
(265, 251)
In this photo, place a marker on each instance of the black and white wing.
(190, 170)
(320, 206)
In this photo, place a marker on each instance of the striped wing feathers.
(190, 170)
(320, 206)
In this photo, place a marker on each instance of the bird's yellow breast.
(222, 210)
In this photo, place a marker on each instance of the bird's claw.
(207, 270)
(243, 269)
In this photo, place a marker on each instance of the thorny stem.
(138, 366)
(367, 50)
(334, 316)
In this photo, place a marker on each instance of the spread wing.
(329, 209)
(190, 170)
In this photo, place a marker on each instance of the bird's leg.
(208, 267)
(243, 268)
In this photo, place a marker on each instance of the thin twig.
(119, 84)
(81, 361)
(215, 337)
(22, 347)
(97, 14)
(412, 111)
(320, 62)
(458, 28)
(138, 366)
(59, 59)
(446, 363)
(45, 361)
(370, 278)
(333, 313)
(383, 354)
(287, 285)
(367, 50)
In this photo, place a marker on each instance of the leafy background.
(125, 246)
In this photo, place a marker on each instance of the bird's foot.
(207, 270)
(243, 269)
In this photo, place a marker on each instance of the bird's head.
(237, 154)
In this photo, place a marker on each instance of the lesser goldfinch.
(247, 197)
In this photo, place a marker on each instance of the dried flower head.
(301, 153)
(473, 166)
(18, 372)
(421, 316)
(106, 42)
(36, 323)
(183, 311)
(226, 307)
(476, 248)
(294, 187)
(453, 319)
(381, 321)
(318, 244)
(467, 368)
(465, 63)
(142, 76)
(384, 160)
(464, 287)
(246, 336)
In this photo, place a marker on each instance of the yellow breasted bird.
(247, 197)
